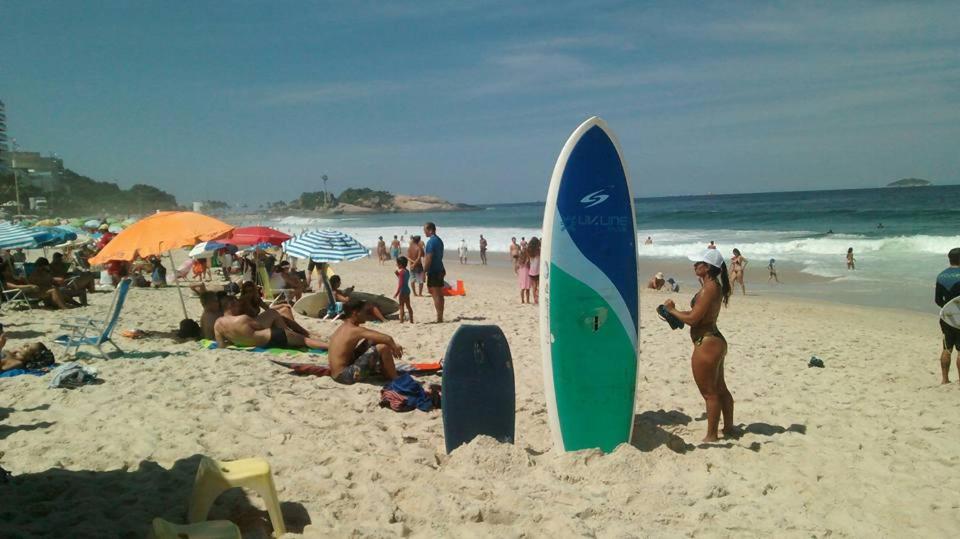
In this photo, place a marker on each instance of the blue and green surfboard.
(589, 311)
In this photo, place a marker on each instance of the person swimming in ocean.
(709, 345)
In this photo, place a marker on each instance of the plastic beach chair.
(273, 294)
(213, 529)
(103, 328)
(213, 478)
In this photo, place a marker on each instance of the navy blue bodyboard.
(479, 397)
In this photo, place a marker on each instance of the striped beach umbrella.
(325, 246)
(13, 236)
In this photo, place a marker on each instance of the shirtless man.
(251, 304)
(357, 353)
(212, 310)
(235, 327)
(515, 254)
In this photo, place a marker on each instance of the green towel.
(212, 345)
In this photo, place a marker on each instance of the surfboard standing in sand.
(589, 316)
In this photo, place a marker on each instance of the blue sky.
(472, 101)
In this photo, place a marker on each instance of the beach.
(863, 447)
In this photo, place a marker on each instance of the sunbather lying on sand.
(22, 358)
(236, 327)
(357, 353)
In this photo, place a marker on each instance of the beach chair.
(214, 477)
(275, 295)
(103, 328)
(17, 298)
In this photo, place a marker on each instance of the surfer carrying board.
(709, 345)
(948, 288)
(357, 353)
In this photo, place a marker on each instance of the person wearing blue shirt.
(433, 266)
(948, 287)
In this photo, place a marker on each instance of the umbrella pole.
(176, 282)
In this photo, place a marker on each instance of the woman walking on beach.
(523, 276)
(533, 253)
(709, 345)
(381, 250)
(851, 262)
(738, 263)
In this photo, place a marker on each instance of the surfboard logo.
(594, 198)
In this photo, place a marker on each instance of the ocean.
(900, 236)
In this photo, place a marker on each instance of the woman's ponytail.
(725, 289)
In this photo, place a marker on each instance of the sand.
(864, 447)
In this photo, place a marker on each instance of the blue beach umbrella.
(325, 246)
(13, 236)
(206, 249)
(49, 236)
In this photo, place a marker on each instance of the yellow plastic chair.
(214, 529)
(214, 477)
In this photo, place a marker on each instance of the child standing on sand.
(523, 276)
(403, 287)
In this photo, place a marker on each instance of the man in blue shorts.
(948, 287)
(433, 266)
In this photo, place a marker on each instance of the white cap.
(710, 256)
(659, 275)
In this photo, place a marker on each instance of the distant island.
(365, 200)
(910, 182)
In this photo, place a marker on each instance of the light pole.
(16, 180)
(324, 178)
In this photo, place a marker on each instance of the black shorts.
(313, 265)
(435, 280)
(951, 336)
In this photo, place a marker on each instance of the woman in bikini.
(738, 263)
(709, 345)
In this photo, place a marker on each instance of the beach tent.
(92, 223)
(160, 233)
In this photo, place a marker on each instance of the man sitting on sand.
(357, 353)
(49, 289)
(235, 327)
(212, 310)
(251, 304)
(657, 281)
(343, 296)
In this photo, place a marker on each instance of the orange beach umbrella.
(159, 233)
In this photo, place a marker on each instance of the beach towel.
(305, 369)
(314, 369)
(405, 394)
(18, 372)
(212, 345)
